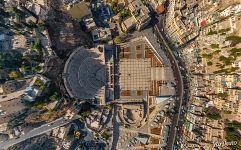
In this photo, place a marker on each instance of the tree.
(207, 56)
(55, 97)
(213, 113)
(234, 38)
(224, 30)
(234, 124)
(30, 24)
(36, 46)
(232, 134)
(41, 26)
(86, 113)
(14, 74)
(25, 69)
(214, 46)
(10, 59)
(17, 11)
(38, 82)
(36, 69)
(114, 7)
(209, 63)
(124, 14)
(222, 95)
(212, 32)
(118, 40)
(105, 135)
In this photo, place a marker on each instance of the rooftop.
(139, 10)
(160, 8)
(101, 34)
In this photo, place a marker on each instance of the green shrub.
(212, 113)
(224, 30)
(55, 97)
(214, 46)
(207, 56)
(209, 63)
(234, 38)
(233, 135)
(124, 14)
(212, 32)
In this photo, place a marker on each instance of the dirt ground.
(37, 143)
(65, 33)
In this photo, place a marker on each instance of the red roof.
(203, 23)
(160, 8)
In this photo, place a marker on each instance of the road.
(149, 146)
(17, 93)
(177, 73)
(165, 52)
(116, 129)
(12, 95)
(37, 131)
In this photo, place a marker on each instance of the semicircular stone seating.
(86, 74)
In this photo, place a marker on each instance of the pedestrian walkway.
(153, 41)
(37, 131)
(135, 131)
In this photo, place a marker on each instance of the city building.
(158, 5)
(140, 16)
(121, 3)
(36, 88)
(101, 34)
(140, 13)
(89, 23)
(128, 24)
(20, 42)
